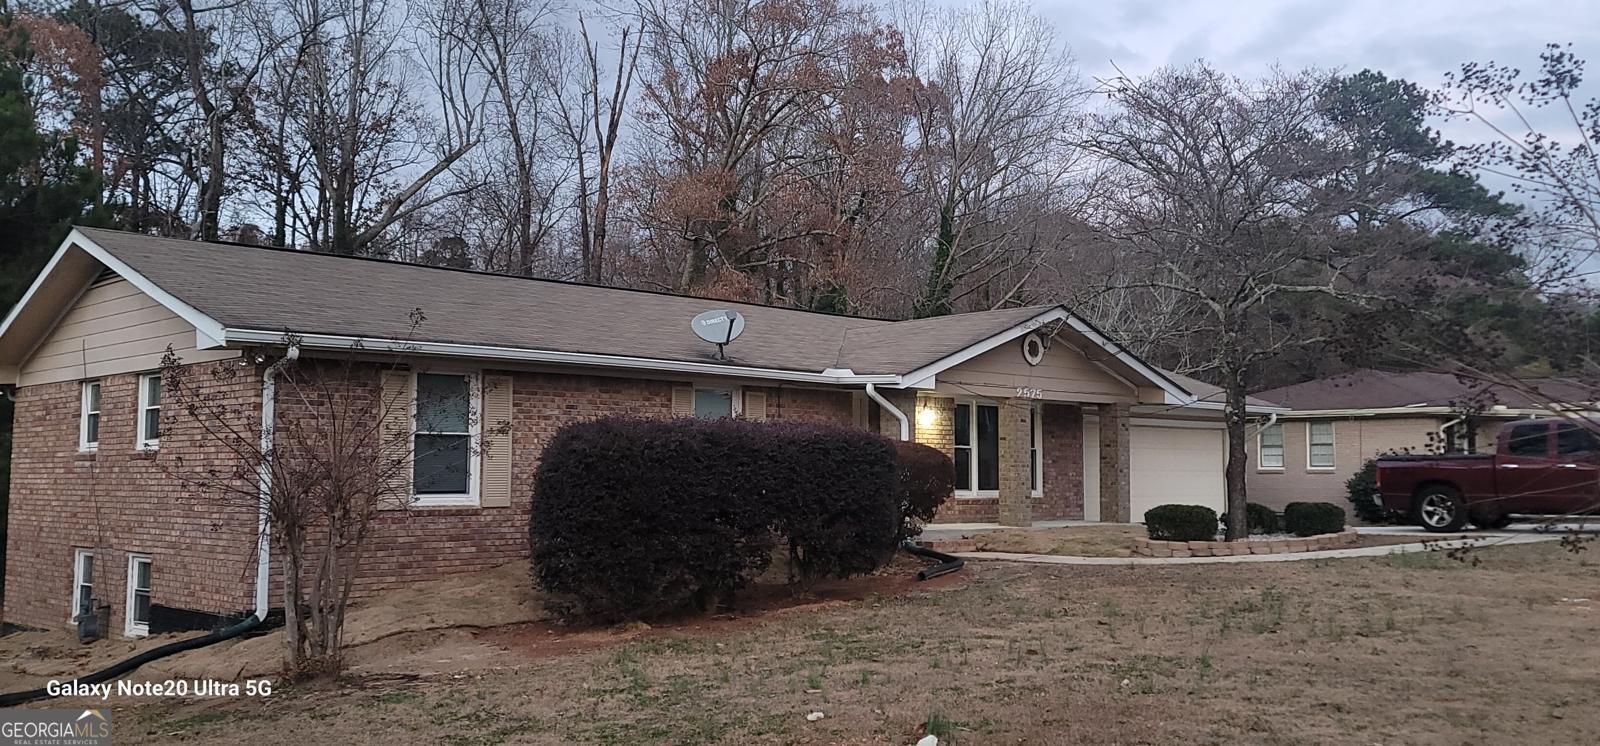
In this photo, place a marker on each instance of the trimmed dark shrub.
(1310, 519)
(834, 494)
(1258, 518)
(927, 479)
(634, 518)
(1181, 523)
(1361, 489)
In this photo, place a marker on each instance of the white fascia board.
(1410, 410)
(1219, 406)
(1151, 374)
(1058, 313)
(515, 354)
(33, 289)
(203, 324)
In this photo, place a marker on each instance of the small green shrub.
(1181, 523)
(1361, 489)
(1259, 519)
(1310, 519)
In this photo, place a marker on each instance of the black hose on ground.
(122, 667)
(947, 563)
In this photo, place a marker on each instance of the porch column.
(1016, 478)
(1115, 473)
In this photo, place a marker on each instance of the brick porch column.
(1115, 475)
(1016, 480)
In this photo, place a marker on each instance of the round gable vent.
(1033, 349)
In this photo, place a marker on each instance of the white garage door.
(1177, 465)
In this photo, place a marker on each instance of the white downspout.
(905, 422)
(1443, 440)
(1272, 419)
(269, 409)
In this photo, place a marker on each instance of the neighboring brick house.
(1330, 427)
(1044, 416)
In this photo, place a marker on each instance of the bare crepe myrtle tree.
(331, 463)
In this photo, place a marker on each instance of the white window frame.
(84, 412)
(79, 558)
(1036, 447)
(1333, 447)
(972, 462)
(1261, 449)
(144, 442)
(470, 498)
(132, 628)
(735, 398)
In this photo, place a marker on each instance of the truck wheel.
(1441, 510)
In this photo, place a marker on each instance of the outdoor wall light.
(927, 417)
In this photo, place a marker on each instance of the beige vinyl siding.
(1354, 441)
(1064, 374)
(113, 328)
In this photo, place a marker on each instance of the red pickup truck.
(1540, 467)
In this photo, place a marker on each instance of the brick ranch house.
(1329, 427)
(1045, 416)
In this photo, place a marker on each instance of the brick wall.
(118, 501)
(809, 404)
(1062, 429)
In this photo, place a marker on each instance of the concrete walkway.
(1482, 539)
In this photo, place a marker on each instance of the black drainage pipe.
(948, 563)
(122, 667)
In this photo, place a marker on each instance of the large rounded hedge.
(634, 517)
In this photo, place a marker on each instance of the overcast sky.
(1418, 40)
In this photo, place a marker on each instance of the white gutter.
(269, 410)
(905, 422)
(835, 376)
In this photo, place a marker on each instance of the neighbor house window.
(1270, 447)
(138, 596)
(82, 581)
(977, 439)
(89, 422)
(149, 410)
(442, 466)
(1319, 445)
(713, 403)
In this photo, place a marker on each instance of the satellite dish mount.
(718, 328)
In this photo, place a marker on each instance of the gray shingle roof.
(1377, 389)
(247, 287)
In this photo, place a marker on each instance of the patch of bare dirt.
(1115, 540)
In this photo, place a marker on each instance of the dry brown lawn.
(1412, 649)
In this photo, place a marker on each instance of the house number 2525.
(1027, 393)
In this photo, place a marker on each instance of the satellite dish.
(718, 328)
